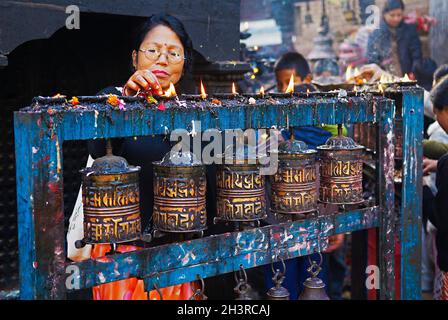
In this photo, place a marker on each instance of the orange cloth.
(133, 288)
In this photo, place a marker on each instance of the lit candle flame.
(290, 88)
(380, 87)
(406, 78)
(234, 89)
(203, 94)
(262, 91)
(349, 73)
(307, 92)
(355, 89)
(171, 92)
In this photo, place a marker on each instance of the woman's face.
(161, 39)
(393, 18)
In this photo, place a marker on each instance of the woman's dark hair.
(293, 60)
(176, 26)
(392, 5)
(439, 94)
(441, 72)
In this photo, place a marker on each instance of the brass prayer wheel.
(341, 170)
(110, 195)
(240, 189)
(294, 185)
(179, 194)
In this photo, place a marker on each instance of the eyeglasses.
(173, 56)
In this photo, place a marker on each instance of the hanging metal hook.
(199, 292)
(241, 271)
(278, 276)
(278, 270)
(156, 287)
(315, 267)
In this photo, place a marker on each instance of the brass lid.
(340, 143)
(110, 164)
(314, 283)
(294, 147)
(278, 292)
(245, 155)
(179, 159)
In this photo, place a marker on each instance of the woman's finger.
(131, 88)
(153, 81)
(141, 81)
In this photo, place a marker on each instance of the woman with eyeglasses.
(162, 54)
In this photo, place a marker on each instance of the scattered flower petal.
(113, 100)
(74, 101)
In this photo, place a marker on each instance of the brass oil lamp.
(341, 170)
(240, 189)
(294, 188)
(179, 194)
(110, 196)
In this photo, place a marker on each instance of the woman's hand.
(142, 80)
(429, 166)
(373, 72)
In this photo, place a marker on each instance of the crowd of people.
(393, 50)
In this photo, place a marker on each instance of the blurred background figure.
(395, 46)
(327, 71)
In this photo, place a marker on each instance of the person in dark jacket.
(395, 45)
(439, 218)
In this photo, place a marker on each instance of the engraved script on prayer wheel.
(240, 189)
(294, 185)
(341, 170)
(179, 194)
(110, 194)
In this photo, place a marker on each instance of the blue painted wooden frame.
(411, 205)
(39, 135)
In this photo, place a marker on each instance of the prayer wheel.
(179, 194)
(341, 170)
(110, 195)
(294, 186)
(240, 189)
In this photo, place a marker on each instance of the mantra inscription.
(179, 204)
(294, 189)
(341, 181)
(111, 211)
(240, 195)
